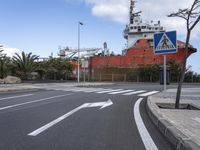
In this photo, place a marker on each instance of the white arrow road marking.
(39, 100)
(144, 134)
(86, 105)
(12, 97)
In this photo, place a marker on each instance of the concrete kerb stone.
(189, 144)
(178, 140)
(18, 90)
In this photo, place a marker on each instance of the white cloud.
(10, 51)
(118, 10)
(103, 10)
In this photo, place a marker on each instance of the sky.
(41, 26)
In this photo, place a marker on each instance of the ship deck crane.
(85, 52)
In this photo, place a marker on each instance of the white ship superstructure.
(137, 29)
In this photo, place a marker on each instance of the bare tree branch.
(195, 23)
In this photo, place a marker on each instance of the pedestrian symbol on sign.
(165, 43)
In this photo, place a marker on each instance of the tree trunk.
(178, 94)
(1, 69)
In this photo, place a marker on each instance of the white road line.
(39, 100)
(90, 91)
(93, 90)
(12, 97)
(149, 93)
(45, 127)
(76, 90)
(144, 134)
(196, 119)
(108, 91)
(118, 92)
(135, 92)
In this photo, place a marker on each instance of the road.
(79, 118)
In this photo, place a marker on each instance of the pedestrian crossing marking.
(119, 92)
(148, 93)
(135, 92)
(125, 92)
(107, 91)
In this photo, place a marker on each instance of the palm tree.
(4, 64)
(25, 64)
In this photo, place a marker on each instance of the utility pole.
(79, 24)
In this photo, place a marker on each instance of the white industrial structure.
(72, 52)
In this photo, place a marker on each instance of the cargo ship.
(139, 50)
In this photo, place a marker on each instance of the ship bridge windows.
(143, 27)
(139, 29)
(136, 20)
(131, 21)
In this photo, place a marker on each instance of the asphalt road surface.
(79, 118)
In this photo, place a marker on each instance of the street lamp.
(79, 24)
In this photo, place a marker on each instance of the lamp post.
(79, 24)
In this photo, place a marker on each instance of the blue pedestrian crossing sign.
(165, 42)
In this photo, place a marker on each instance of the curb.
(178, 140)
(18, 90)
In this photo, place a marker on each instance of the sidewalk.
(30, 86)
(181, 127)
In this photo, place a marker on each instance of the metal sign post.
(85, 65)
(165, 73)
(84, 74)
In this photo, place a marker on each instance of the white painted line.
(135, 92)
(144, 134)
(76, 90)
(118, 92)
(149, 93)
(93, 90)
(65, 89)
(45, 127)
(90, 91)
(12, 97)
(108, 91)
(39, 100)
(196, 119)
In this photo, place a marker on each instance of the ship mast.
(132, 13)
